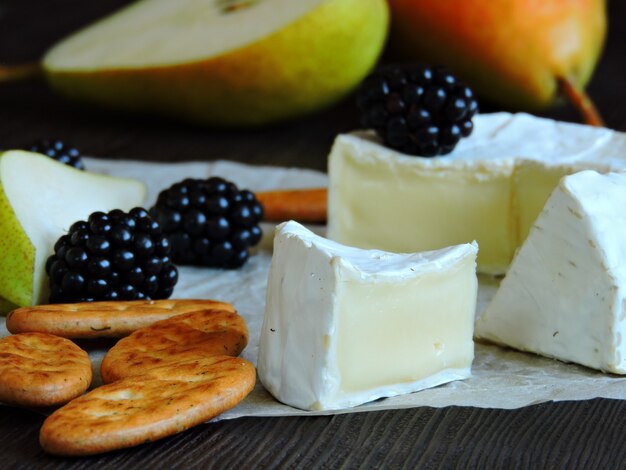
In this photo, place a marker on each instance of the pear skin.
(307, 65)
(17, 259)
(513, 52)
(6, 306)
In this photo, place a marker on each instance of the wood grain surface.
(588, 434)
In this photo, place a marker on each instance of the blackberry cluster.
(209, 222)
(417, 109)
(114, 256)
(58, 151)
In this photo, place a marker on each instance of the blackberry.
(114, 256)
(58, 151)
(417, 109)
(209, 222)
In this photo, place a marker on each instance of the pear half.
(222, 62)
(39, 200)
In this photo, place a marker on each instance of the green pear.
(6, 306)
(518, 53)
(39, 200)
(222, 62)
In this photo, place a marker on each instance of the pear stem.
(582, 102)
(13, 73)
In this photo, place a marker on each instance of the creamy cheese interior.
(389, 333)
(532, 185)
(344, 326)
(490, 189)
(383, 200)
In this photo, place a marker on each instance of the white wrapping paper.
(501, 378)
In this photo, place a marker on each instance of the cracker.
(38, 369)
(204, 333)
(164, 401)
(113, 319)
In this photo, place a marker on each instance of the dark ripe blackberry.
(209, 222)
(120, 235)
(58, 151)
(135, 276)
(152, 266)
(112, 295)
(58, 268)
(97, 287)
(255, 235)
(113, 256)
(150, 285)
(218, 228)
(123, 260)
(76, 257)
(417, 109)
(99, 267)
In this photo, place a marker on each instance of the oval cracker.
(205, 333)
(164, 401)
(114, 319)
(38, 369)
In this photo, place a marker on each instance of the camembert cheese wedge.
(565, 293)
(489, 189)
(345, 326)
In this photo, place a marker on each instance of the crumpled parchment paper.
(501, 378)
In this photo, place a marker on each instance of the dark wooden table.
(587, 434)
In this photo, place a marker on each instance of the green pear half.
(222, 62)
(39, 200)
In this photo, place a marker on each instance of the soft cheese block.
(565, 293)
(490, 188)
(345, 326)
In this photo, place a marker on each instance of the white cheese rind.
(489, 189)
(564, 295)
(343, 326)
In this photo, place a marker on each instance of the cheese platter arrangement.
(334, 326)
(446, 257)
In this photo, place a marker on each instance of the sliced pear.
(222, 62)
(39, 200)
(6, 306)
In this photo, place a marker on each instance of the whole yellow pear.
(514, 52)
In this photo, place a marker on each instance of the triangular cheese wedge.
(565, 293)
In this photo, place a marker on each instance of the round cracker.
(194, 334)
(164, 401)
(38, 369)
(114, 319)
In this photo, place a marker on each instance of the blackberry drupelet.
(58, 151)
(114, 256)
(209, 222)
(417, 109)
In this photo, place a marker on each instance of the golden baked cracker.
(113, 319)
(38, 369)
(164, 401)
(204, 333)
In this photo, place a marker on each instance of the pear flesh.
(39, 200)
(222, 62)
(161, 33)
